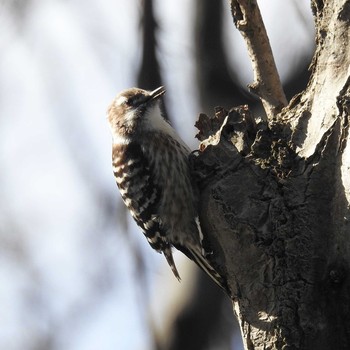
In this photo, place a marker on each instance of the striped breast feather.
(135, 179)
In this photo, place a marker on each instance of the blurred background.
(75, 271)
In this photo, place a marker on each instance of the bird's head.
(134, 108)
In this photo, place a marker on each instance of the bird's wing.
(142, 195)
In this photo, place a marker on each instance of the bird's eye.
(129, 102)
(133, 101)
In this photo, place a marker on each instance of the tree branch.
(267, 84)
(275, 198)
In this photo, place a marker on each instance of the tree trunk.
(275, 203)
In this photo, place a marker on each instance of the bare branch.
(267, 84)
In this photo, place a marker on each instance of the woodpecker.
(151, 168)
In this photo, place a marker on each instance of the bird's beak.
(157, 93)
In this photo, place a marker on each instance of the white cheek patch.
(129, 118)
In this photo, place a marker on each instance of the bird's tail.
(196, 254)
(169, 258)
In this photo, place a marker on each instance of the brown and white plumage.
(151, 167)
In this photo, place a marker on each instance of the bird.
(151, 168)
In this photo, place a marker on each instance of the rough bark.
(275, 203)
